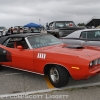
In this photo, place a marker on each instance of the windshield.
(43, 40)
(65, 24)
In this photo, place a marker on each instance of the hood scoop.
(74, 47)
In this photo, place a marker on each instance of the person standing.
(29, 30)
(11, 30)
(18, 30)
(4, 33)
(8, 32)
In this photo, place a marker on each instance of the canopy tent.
(32, 25)
(93, 22)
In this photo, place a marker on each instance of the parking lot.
(15, 81)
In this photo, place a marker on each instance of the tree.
(80, 24)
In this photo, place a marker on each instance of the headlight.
(94, 62)
(99, 61)
(91, 64)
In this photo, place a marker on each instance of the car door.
(92, 42)
(83, 35)
(21, 58)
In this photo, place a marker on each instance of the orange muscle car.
(46, 55)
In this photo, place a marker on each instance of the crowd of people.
(19, 30)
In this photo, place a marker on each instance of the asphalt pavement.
(14, 81)
(87, 93)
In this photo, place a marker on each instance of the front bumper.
(94, 71)
(85, 73)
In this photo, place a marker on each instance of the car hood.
(62, 49)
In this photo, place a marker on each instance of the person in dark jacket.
(8, 32)
(11, 30)
(18, 30)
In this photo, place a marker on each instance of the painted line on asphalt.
(13, 74)
(50, 86)
(48, 90)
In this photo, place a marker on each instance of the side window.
(97, 34)
(14, 42)
(83, 35)
(90, 34)
(59, 25)
(10, 44)
(51, 25)
(5, 43)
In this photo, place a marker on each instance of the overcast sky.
(21, 12)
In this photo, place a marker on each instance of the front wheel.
(58, 76)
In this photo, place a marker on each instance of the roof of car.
(88, 29)
(77, 33)
(2, 39)
(24, 35)
(60, 21)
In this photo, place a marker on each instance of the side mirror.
(19, 47)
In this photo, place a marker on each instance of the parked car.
(25, 29)
(47, 55)
(62, 28)
(31, 30)
(36, 30)
(83, 37)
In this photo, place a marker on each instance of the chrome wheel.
(58, 76)
(54, 74)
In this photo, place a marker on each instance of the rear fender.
(5, 55)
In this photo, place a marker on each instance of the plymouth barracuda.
(46, 55)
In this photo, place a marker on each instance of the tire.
(1, 67)
(57, 35)
(58, 76)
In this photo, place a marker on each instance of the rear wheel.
(58, 76)
(1, 67)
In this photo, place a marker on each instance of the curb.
(48, 90)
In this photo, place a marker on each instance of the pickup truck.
(62, 28)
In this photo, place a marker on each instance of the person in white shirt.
(4, 32)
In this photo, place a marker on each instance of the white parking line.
(47, 90)
(13, 74)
